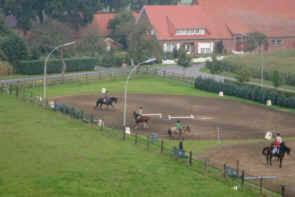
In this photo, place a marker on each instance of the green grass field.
(279, 60)
(44, 153)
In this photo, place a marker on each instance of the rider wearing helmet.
(277, 143)
(105, 96)
(139, 112)
(178, 127)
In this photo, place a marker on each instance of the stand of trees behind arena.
(47, 24)
(246, 91)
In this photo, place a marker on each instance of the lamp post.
(45, 65)
(261, 59)
(126, 86)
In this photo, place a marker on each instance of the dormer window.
(190, 31)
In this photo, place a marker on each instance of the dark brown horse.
(108, 102)
(140, 119)
(268, 153)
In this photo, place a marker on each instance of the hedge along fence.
(287, 78)
(31, 67)
(250, 92)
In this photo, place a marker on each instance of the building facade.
(199, 27)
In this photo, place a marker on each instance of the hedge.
(55, 65)
(250, 92)
(288, 78)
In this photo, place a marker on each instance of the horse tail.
(265, 151)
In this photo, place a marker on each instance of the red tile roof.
(275, 18)
(101, 20)
(222, 18)
(166, 19)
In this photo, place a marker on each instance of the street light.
(45, 64)
(126, 86)
(261, 58)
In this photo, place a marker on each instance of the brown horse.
(173, 130)
(141, 119)
(268, 153)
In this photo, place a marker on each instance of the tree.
(74, 12)
(138, 4)
(90, 43)
(44, 37)
(255, 40)
(115, 5)
(14, 48)
(214, 67)
(142, 44)
(243, 75)
(121, 26)
(276, 79)
(184, 60)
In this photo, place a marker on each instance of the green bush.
(111, 59)
(214, 67)
(55, 65)
(288, 78)
(250, 92)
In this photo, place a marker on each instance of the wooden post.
(147, 142)
(16, 90)
(124, 134)
(91, 119)
(162, 146)
(260, 184)
(283, 189)
(224, 170)
(82, 115)
(135, 139)
(242, 178)
(190, 161)
(238, 167)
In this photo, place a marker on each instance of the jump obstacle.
(159, 115)
(181, 117)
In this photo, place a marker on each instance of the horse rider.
(105, 96)
(178, 127)
(139, 112)
(277, 144)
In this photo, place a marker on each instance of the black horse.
(268, 153)
(141, 119)
(108, 102)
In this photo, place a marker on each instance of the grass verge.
(48, 154)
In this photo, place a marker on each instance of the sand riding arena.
(233, 119)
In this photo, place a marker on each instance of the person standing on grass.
(178, 127)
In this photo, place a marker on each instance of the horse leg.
(147, 125)
(270, 159)
(281, 161)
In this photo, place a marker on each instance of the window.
(205, 47)
(276, 42)
(190, 31)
